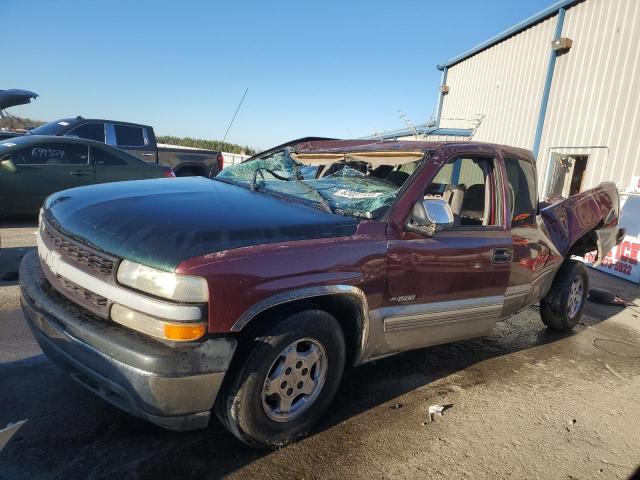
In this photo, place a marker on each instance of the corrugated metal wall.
(504, 83)
(594, 106)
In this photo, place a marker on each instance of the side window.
(102, 157)
(128, 136)
(90, 131)
(52, 154)
(466, 184)
(522, 191)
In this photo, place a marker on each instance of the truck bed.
(584, 222)
(188, 161)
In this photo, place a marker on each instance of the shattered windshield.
(362, 184)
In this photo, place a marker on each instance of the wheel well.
(346, 309)
(586, 243)
(190, 171)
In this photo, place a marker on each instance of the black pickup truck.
(139, 141)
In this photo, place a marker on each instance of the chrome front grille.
(85, 258)
(82, 293)
(82, 256)
(77, 294)
(83, 297)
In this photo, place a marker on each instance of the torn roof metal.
(361, 146)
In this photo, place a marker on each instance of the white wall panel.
(504, 84)
(594, 104)
(595, 94)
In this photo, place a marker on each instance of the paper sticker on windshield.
(356, 195)
(64, 124)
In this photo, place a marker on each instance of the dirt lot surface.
(526, 403)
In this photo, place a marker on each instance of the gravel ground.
(526, 403)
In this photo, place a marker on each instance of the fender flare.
(284, 298)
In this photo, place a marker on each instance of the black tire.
(600, 295)
(240, 403)
(555, 308)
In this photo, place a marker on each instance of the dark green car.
(33, 167)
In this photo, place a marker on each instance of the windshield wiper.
(324, 201)
(227, 180)
(259, 170)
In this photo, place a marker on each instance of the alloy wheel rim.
(294, 380)
(576, 295)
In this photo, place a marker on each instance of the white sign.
(356, 195)
(622, 261)
(634, 185)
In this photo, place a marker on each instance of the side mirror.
(8, 165)
(430, 216)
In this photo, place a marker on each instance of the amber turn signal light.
(174, 331)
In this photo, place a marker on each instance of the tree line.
(207, 144)
(18, 123)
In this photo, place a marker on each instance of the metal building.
(564, 83)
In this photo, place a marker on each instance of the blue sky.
(328, 68)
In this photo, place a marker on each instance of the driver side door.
(42, 169)
(450, 286)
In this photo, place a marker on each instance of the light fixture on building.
(444, 89)
(561, 44)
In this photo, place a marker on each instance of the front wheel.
(562, 308)
(287, 381)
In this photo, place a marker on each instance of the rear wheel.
(562, 308)
(286, 382)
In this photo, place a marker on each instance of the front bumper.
(172, 386)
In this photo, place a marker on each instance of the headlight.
(182, 288)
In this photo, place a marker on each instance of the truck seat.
(472, 211)
(454, 195)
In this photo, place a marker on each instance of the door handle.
(147, 154)
(501, 255)
(79, 173)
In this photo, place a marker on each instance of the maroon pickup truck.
(248, 294)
